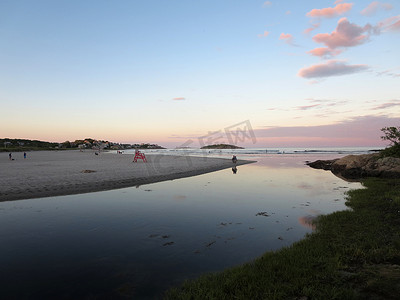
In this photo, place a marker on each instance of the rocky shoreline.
(360, 166)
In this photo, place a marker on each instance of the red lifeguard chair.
(139, 155)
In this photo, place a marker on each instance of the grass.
(353, 254)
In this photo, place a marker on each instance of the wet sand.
(56, 173)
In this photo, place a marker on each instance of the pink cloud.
(352, 132)
(288, 38)
(330, 12)
(324, 52)
(338, 1)
(267, 3)
(357, 131)
(330, 68)
(390, 24)
(373, 7)
(285, 36)
(179, 98)
(346, 34)
(265, 34)
(313, 27)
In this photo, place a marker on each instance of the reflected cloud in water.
(180, 197)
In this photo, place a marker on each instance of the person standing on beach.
(24, 155)
(10, 156)
(234, 159)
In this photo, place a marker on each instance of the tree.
(392, 134)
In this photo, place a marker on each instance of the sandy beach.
(55, 173)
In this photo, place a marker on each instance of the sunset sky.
(300, 73)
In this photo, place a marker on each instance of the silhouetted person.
(234, 159)
(10, 156)
(234, 170)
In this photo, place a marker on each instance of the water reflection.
(138, 241)
(307, 221)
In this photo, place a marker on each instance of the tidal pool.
(136, 242)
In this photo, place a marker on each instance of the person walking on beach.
(234, 159)
(24, 155)
(10, 156)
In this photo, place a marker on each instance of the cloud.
(388, 73)
(320, 104)
(285, 36)
(331, 68)
(330, 12)
(267, 3)
(356, 131)
(346, 34)
(328, 102)
(179, 98)
(307, 107)
(388, 104)
(313, 27)
(265, 34)
(390, 24)
(288, 38)
(324, 52)
(373, 7)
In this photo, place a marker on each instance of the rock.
(359, 166)
(322, 164)
(263, 213)
(88, 171)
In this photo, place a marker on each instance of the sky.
(284, 73)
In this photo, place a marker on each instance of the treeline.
(24, 144)
(14, 145)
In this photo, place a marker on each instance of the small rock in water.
(88, 171)
(263, 213)
(209, 244)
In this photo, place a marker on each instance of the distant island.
(221, 146)
(14, 145)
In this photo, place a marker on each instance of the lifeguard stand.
(139, 155)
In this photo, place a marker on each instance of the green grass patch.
(353, 254)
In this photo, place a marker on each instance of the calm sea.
(136, 242)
